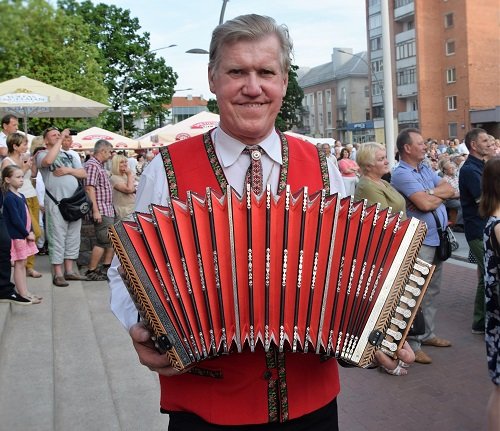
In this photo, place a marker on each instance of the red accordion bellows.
(218, 274)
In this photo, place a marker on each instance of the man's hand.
(62, 170)
(405, 354)
(148, 355)
(96, 215)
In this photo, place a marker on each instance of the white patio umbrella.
(29, 98)
(86, 139)
(192, 126)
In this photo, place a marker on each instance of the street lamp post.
(221, 20)
(125, 82)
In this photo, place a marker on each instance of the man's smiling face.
(250, 85)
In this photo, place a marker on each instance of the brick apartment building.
(446, 69)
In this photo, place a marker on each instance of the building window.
(448, 20)
(407, 76)
(329, 118)
(452, 103)
(375, 21)
(367, 91)
(328, 95)
(405, 50)
(452, 130)
(376, 43)
(401, 3)
(377, 89)
(377, 66)
(410, 25)
(319, 98)
(451, 75)
(450, 47)
(343, 96)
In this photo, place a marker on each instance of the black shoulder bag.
(76, 206)
(444, 249)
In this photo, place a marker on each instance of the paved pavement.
(67, 364)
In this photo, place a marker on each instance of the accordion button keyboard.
(415, 291)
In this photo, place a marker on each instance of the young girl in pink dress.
(18, 222)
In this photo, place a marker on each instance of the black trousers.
(6, 287)
(324, 419)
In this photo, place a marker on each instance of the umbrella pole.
(25, 120)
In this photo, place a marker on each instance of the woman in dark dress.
(490, 207)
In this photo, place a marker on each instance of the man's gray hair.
(101, 144)
(250, 28)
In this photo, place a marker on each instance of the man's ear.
(211, 83)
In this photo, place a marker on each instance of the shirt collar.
(419, 167)
(229, 149)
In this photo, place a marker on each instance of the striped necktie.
(254, 175)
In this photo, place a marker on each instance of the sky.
(316, 27)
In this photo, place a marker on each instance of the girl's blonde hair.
(7, 172)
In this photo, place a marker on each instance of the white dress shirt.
(152, 189)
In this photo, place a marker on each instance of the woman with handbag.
(489, 206)
(17, 147)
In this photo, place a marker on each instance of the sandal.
(33, 273)
(31, 295)
(34, 299)
(400, 370)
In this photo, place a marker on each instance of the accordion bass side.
(296, 272)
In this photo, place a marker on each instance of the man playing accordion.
(248, 72)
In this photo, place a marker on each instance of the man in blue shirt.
(425, 192)
(469, 183)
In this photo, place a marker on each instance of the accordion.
(220, 273)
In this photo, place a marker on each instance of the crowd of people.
(51, 171)
(453, 183)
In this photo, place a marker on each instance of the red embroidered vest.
(248, 388)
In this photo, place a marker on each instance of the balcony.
(341, 124)
(408, 117)
(403, 12)
(407, 90)
(378, 99)
(405, 36)
(405, 63)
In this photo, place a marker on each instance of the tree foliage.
(43, 43)
(136, 78)
(212, 106)
(292, 103)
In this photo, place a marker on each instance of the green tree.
(43, 43)
(212, 106)
(292, 103)
(132, 70)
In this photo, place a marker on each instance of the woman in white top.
(17, 147)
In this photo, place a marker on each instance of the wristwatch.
(430, 192)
